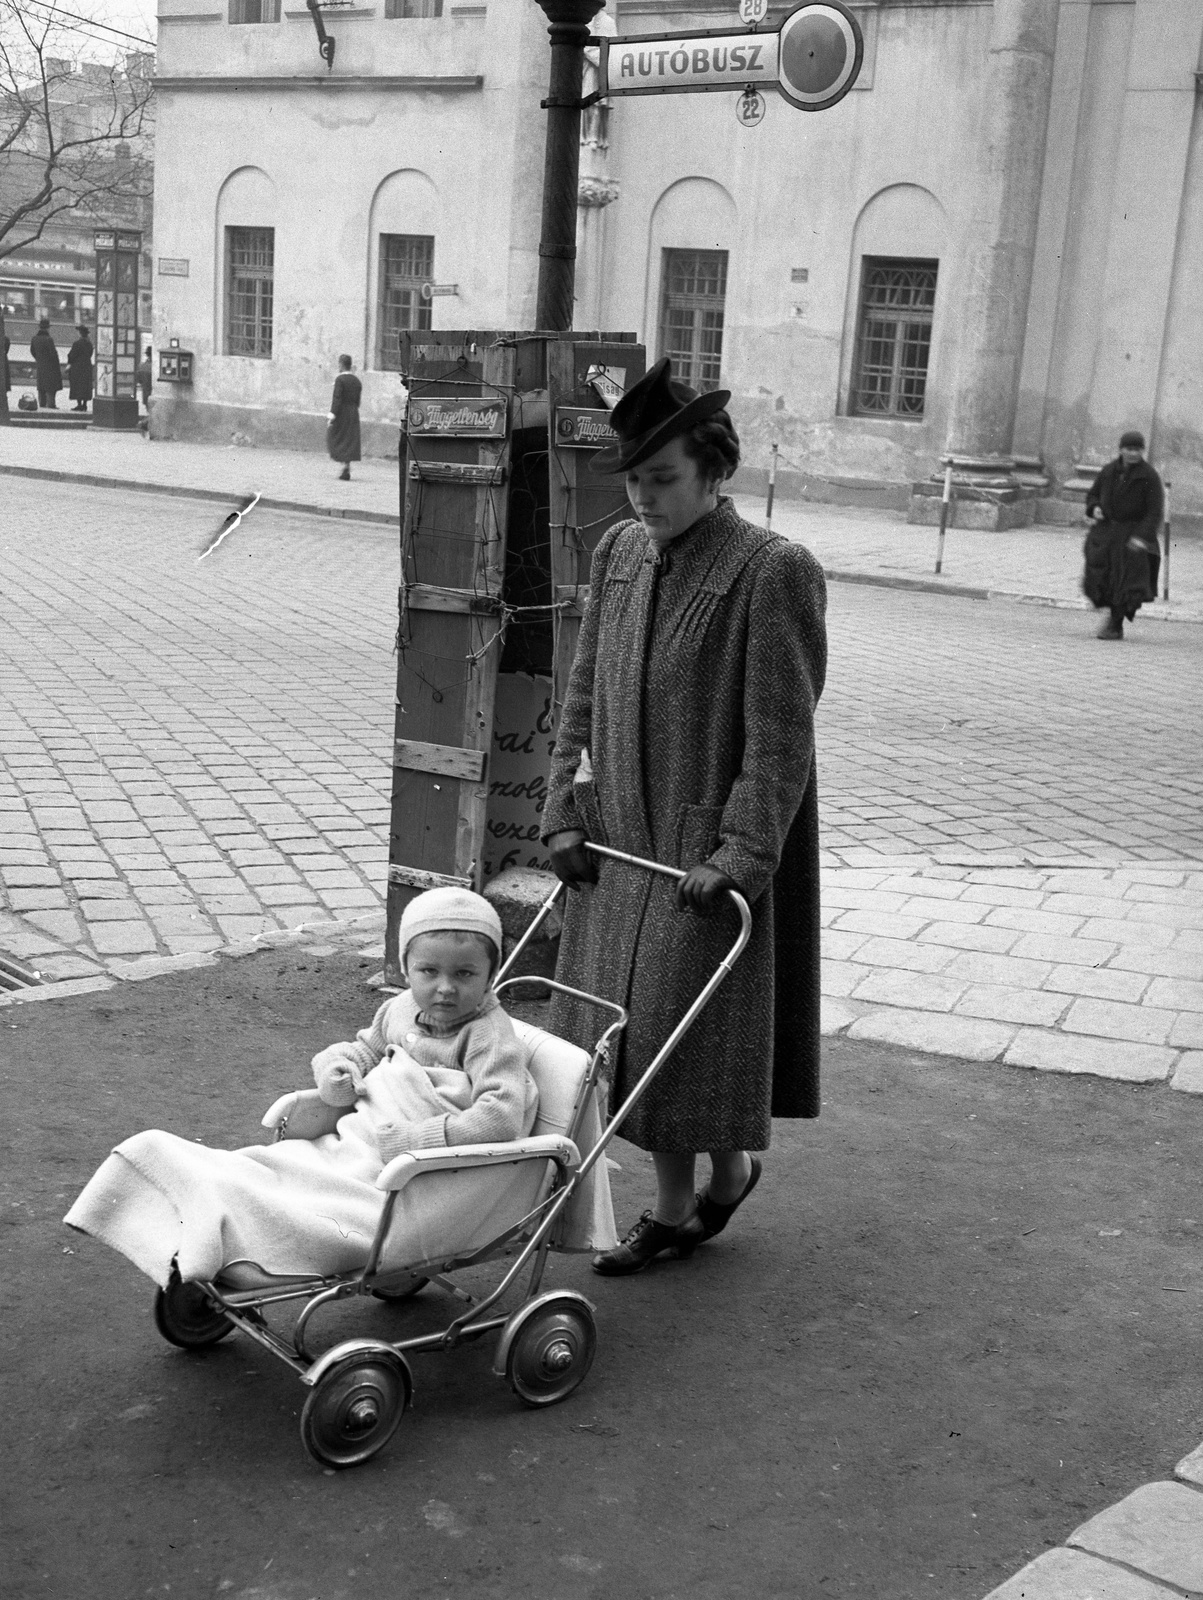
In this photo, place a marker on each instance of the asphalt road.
(959, 1317)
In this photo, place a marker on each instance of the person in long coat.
(50, 374)
(687, 737)
(342, 431)
(1125, 508)
(79, 367)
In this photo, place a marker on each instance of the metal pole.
(4, 371)
(569, 33)
(768, 509)
(944, 502)
(1165, 582)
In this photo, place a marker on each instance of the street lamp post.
(4, 418)
(569, 33)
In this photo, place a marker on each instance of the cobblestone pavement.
(197, 754)
(194, 753)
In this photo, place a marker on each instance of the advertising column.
(117, 332)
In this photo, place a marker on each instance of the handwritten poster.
(523, 739)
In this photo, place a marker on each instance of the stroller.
(360, 1389)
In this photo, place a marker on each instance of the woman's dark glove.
(701, 887)
(570, 861)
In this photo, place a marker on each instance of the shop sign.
(578, 428)
(173, 266)
(457, 417)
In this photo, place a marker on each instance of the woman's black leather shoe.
(646, 1240)
(711, 1217)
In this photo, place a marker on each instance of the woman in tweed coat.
(688, 737)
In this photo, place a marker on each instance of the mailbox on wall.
(175, 365)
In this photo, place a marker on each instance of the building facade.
(990, 246)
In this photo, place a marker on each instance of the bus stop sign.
(819, 54)
(813, 58)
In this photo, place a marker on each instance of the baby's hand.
(339, 1077)
(345, 1074)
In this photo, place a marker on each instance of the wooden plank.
(416, 755)
(415, 878)
(452, 553)
(434, 597)
(455, 472)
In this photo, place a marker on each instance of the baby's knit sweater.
(426, 1085)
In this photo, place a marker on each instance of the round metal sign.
(753, 11)
(750, 109)
(820, 57)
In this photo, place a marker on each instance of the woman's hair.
(345, 363)
(714, 445)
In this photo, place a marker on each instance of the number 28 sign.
(812, 59)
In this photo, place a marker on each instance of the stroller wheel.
(552, 1351)
(355, 1408)
(186, 1317)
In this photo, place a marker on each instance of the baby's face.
(448, 974)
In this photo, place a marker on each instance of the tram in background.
(26, 301)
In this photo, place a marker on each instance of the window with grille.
(250, 254)
(413, 8)
(406, 264)
(254, 10)
(897, 299)
(694, 288)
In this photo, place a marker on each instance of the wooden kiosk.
(499, 519)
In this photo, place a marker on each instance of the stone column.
(997, 267)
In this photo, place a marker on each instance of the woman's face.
(669, 493)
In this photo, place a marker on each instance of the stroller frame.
(361, 1388)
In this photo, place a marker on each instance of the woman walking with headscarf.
(687, 737)
(342, 432)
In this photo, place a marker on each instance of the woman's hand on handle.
(701, 886)
(570, 861)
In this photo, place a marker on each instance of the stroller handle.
(545, 910)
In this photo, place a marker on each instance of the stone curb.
(1155, 611)
(1148, 1546)
(181, 492)
(139, 969)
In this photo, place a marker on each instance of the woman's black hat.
(1132, 441)
(656, 410)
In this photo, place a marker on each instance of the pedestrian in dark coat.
(1125, 508)
(342, 431)
(79, 366)
(145, 376)
(687, 737)
(50, 374)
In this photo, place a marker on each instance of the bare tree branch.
(69, 139)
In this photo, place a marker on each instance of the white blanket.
(311, 1206)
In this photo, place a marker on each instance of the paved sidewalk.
(1147, 1547)
(1062, 968)
(288, 480)
(1041, 564)
(880, 547)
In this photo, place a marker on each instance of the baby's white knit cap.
(448, 910)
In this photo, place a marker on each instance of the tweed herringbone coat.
(694, 689)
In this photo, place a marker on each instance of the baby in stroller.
(439, 1065)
